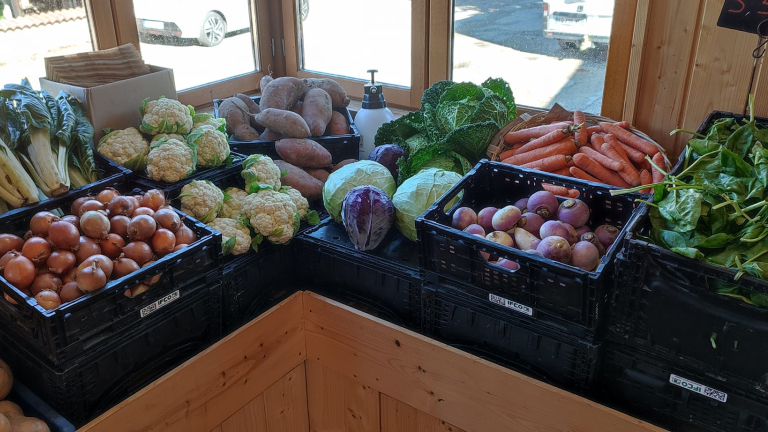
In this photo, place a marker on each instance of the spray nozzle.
(373, 73)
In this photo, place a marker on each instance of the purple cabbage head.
(388, 155)
(367, 214)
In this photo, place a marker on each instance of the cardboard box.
(116, 105)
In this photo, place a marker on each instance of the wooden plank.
(619, 51)
(397, 416)
(216, 429)
(395, 95)
(203, 392)
(285, 403)
(102, 24)
(440, 36)
(443, 382)
(250, 418)
(205, 94)
(337, 403)
(419, 50)
(125, 23)
(635, 61)
(263, 35)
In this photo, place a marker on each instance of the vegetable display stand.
(116, 367)
(564, 297)
(384, 282)
(33, 406)
(510, 340)
(668, 304)
(341, 147)
(172, 189)
(74, 327)
(673, 393)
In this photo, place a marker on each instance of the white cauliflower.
(126, 147)
(219, 124)
(272, 214)
(235, 237)
(259, 169)
(171, 161)
(159, 137)
(165, 116)
(301, 203)
(212, 146)
(202, 200)
(233, 203)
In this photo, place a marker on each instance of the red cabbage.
(367, 214)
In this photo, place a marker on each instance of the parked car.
(570, 21)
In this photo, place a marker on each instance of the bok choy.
(17, 188)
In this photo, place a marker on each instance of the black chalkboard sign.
(744, 15)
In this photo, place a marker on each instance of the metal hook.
(757, 53)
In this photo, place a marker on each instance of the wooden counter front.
(311, 364)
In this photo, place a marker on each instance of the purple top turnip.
(485, 255)
(522, 204)
(501, 238)
(585, 256)
(574, 212)
(475, 229)
(507, 264)
(525, 240)
(583, 230)
(506, 218)
(463, 217)
(485, 218)
(555, 248)
(531, 222)
(592, 238)
(573, 237)
(544, 203)
(553, 228)
(607, 234)
(534, 252)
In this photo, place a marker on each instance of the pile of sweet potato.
(306, 165)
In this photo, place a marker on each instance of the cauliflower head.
(202, 119)
(165, 116)
(233, 203)
(260, 170)
(235, 237)
(202, 200)
(272, 214)
(171, 160)
(126, 147)
(212, 146)
(159, 137)
(301, 203)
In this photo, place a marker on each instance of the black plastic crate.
(69, 330)
(33, 406)
(341, 147)
(384, 282)
(200, 174)
(675, 394)
(513, 341)
(664, 302)
(115, 368)
(555, 293)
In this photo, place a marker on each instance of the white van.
(573, 21)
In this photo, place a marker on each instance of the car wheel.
(213, 30)
(566, 45)
(304, 5)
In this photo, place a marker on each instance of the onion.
(46, 281)
(143, 211)
(65, 235)
(180, 247)
(123, 266)
(95, 224)
(139, 289)
(36, 249)
(70, 292)
(6, 257)
(112, 246)
(48, 299)
(9, 242)
(13, 302)
(88, 248)
(120, 205)
(61, 261)
(136, 202)
(40, 223)
(69, 276)
(105, 264)
(142, 228)
(163, 242)
(154, 279)
(91, 205)
(107, 195)
(185, 235)
(20, 271)
(74, 220)
(153, 199)
(119, 225)
(91, 278)
(168, 219)
(51, 243)
(75, 208)
(27, 235)
(138, 251)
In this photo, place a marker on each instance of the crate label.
(698, 388)
(165, 301)
(517, 307)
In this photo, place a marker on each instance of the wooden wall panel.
(337, 403)
(285, 403)
(250, 418)
(397, 416)
(619, 51)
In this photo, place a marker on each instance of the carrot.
(630, 139)
(560, 190)
(601, 159)
(622, 124)
(581, 136)
(563, 172)
(565, 147)
(580, 174)
(646, 178)
(534, 132)
(634, 155)
(550, 138)
(593, 130)
(658, 159)
(506, 153)
(627, 172)
(597, 141)
(595, 169)
(549, 164)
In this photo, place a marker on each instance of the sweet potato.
(5, 424)
(10, 410)
(303, 153)
(234, 111)
(270, 135)
(342, 163)
(335, 90)
(6, 377)
(316, 110)
(310, 187)
(266, 79)
(284, 122)
(28, 424)
(282, 93)
(338, 125)
(252, 106)
(318, 173)
(297, 108)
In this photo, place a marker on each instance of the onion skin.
(153, 199)
(112, 246)
(120, 205)
(136, 202)
(168, 219)
(88, 248)
(107, 195)
(61, 261)
(145, 211)
(70, 292)
(27, 235)
(95, 224)
(123, 266)
(91, 278)
(163, 242)
(77, 204)
(74, 220)
(185, 235)
(154, 279)
(138, 289)
(9, 299)
(9, 242)
(41, 222)
(91, 205)
(142, 228)
(37, 250)
(180, 247)
(46, 281)
(19, 272)
(48, 299)
(105, 264)
(138, 251)
(65, 235)
(119, 225)
(69, 276)
(5, 258)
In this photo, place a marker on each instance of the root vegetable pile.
(12, 418)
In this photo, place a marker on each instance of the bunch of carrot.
(607, 153)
